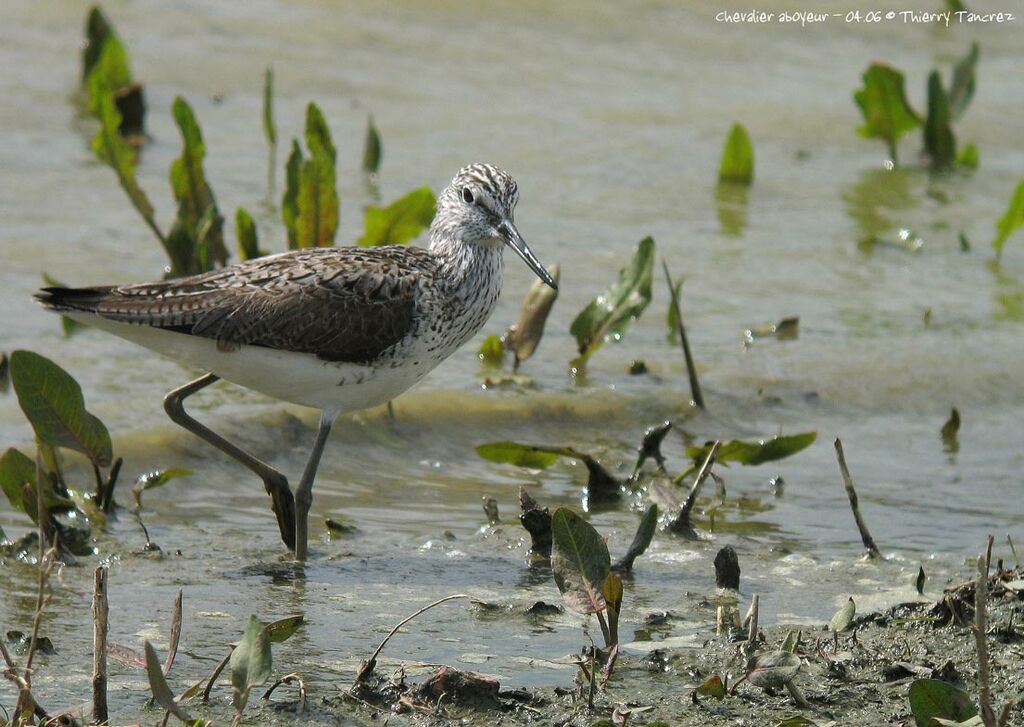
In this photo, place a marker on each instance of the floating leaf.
(400, 221)
(250, 663)
(290, 200)
(939, 142)
(843, 617)
(961, 90)
(882, 101)
(156, 478)
(773, 669)
(248, 242)
(52, 402)
(284, 628)
(524, 335)
(522, 455)
(609, 314)
(1010, 221)
(579, 561)
(737, 163)
(643, 537)
(712, 687)
(755, 453)
(68, 325)
(931, 698)
(371, 148)
(492, 351)
(158, 685)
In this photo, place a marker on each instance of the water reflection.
(878, 200)
(731, 200)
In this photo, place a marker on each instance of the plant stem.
(980, 638)
(100, 613)
(851, 493)
(682, 522)
(691, 369)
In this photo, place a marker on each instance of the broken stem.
(288, 679)
(682, 521)
(851, 493)
(100, 613)
(366, 668)
(691, 369)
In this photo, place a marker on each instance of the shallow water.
(612, 120)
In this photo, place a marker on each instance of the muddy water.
(612, 120)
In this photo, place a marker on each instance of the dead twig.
(851, 493)
(366, 668)
(288, 679)
(100, 613)
(691, 368)
(681, 525)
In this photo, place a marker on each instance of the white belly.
(296, 377)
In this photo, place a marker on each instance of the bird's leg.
(304, 492)
(275, 482)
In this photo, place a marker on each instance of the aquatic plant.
(400, 221)
(888, 115)
(1011, 220)
(608, 315)
(737, 163)
(106, 74)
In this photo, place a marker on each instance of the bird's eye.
(467, 195)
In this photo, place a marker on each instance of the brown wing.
(340, 304)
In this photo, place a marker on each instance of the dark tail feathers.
(71, 299)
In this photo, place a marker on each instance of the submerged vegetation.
(850, 657)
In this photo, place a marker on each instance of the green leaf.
(883, 103)
(672, 318)
(52, 402)
(109, 73)
(269, 129)
(961, 90)
(68, 325)
(712, 687)
(317, 222)
(524, 335)
(522, 455)
(290, 200)
(939, 142)
(198, 220)
(611, 589)
(950, 430)
(789, 643)
(755, 453)
(248, 242)
(579, 561)
(968, 157)
(5, 373)
(284, 628)
(156, 478)
(737, 163)
(250, 662)
(933, 698)
(773, 669)
(1010, 221)
(609, 314)
(372, 148)
(97, 30)
(158, 685)
(975, 721)
(641, 540)
(400, 221)
(16, 471)
(492, 352)
(110, 148)
(842, 618)
(318, 134)
(920, 580)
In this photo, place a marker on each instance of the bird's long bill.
(514, 240)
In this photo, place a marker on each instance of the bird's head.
(478, 208)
